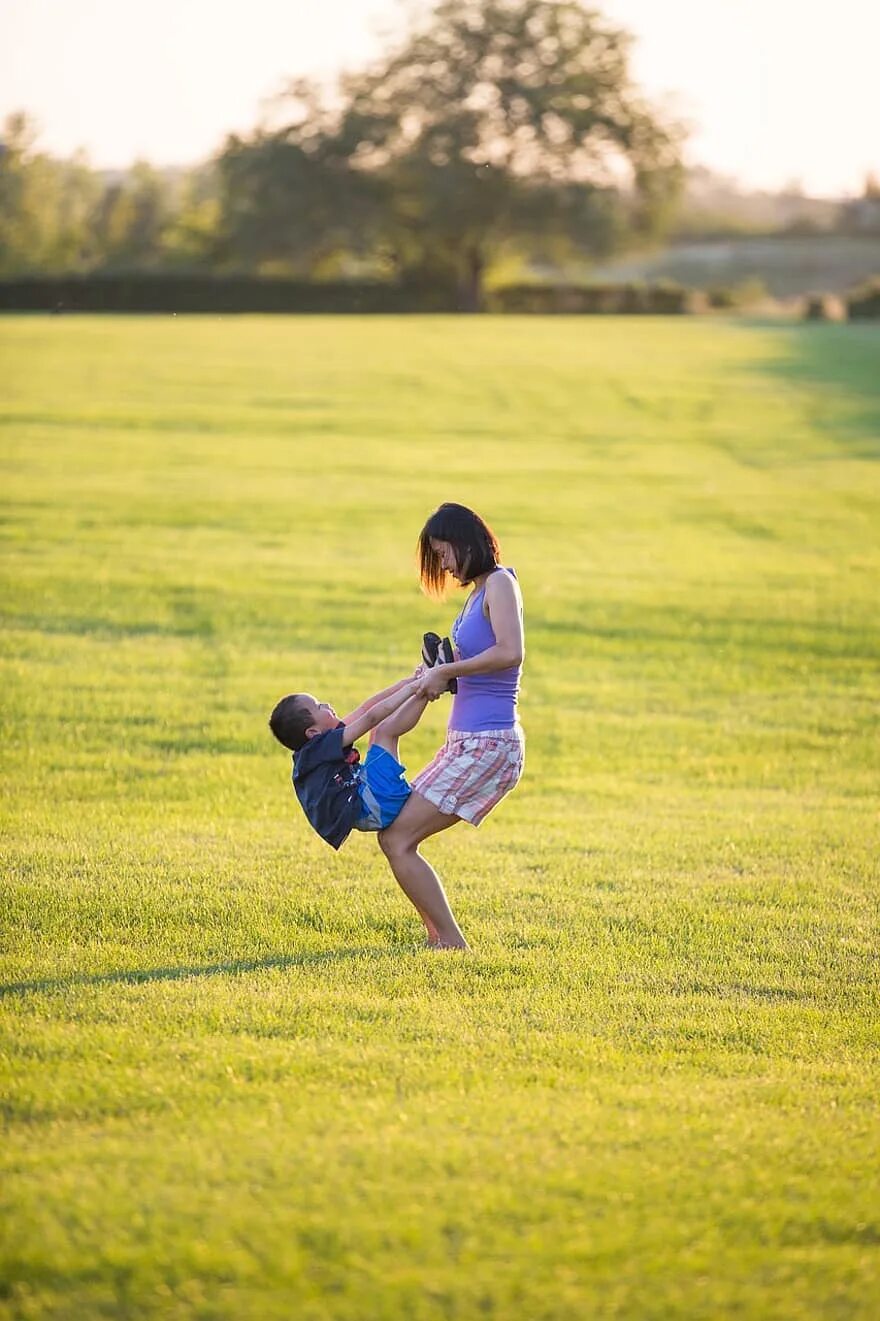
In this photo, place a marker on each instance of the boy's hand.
(433, 683)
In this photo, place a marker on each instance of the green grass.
(234, 1086)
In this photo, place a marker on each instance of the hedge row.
(169, 293)
(859, 304)
(865, 301)
(610, 299)
(197, 293)
(225, 294)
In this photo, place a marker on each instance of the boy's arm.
(380, 706)
(380, 697)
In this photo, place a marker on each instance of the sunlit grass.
(234, 1084)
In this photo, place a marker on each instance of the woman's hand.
(434, 682)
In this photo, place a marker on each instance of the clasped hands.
(432, 683)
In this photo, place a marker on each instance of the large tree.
(494, 121)
(499, 119)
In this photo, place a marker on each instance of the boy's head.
(299, 717)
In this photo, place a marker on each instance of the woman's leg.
(416, 877)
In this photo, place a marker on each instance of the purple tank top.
(483, 701)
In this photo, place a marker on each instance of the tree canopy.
(493, 121)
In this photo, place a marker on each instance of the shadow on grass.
(234, 967)
(676, 627)
(847, 358)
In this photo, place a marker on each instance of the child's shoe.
(438, 651)
(445, 656)
(430, 647)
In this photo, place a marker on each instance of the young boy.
(336, 791)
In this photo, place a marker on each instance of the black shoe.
(430, 647)
(445, 656)
(438, 651)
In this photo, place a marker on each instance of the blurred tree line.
(496, 129)
(62, 217)
(495, 132)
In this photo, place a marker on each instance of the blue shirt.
(325, 778)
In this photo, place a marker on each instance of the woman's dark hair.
(290, 720)
(474, 543)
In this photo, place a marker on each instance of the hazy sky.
(775, 90)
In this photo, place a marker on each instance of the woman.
(482, 759)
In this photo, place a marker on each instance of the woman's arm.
(504, 604)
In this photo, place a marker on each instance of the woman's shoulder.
(503, 582)
(503, 572)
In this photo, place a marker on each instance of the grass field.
(234, 1085)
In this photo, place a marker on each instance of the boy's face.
(323, 717)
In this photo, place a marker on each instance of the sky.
(774, 91)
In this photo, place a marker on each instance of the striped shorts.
(472, 772)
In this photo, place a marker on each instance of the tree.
(191, 235)
(508, 118)
(288, 198)
(131, 218)
(494, 122)
(45, 205)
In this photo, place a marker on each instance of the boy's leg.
(401, 721)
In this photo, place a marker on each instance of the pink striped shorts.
(472, 772)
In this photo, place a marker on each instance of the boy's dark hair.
(474, 543)
(289, 722)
